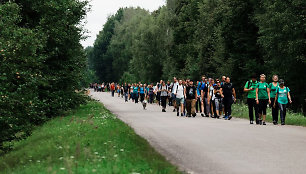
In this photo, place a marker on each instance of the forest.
(190, 38)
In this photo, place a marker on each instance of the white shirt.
(174, 87)
(180, 91)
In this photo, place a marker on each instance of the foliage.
(190, 38)
(41, 63)
(88, 140)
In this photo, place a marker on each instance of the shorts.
(262, 107)
(218, 104)
(179, 100)
(173, 96)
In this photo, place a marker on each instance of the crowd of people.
(209, 97)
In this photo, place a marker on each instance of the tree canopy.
(190, 38)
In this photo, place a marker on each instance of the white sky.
(101, 9)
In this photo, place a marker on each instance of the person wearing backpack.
(250, 88)
(273, 87)
(180, 94)
(191, 96)
(262, 98)
(282, 96)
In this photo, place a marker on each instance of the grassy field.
(88, 140)
(241, 111)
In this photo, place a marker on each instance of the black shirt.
(227, 90)
(151, 91)
(218, 94)
(191, 92)
(126, 88)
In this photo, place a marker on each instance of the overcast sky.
(101, 9)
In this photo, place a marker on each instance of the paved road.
(206, 145)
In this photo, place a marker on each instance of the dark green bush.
(41, 63)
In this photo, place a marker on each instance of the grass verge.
(88, 140)
(297, 119)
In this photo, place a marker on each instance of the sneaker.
(283, 123)
(202, 114)
(177, 114)
(251, 122)
(218, 117)
(163, 110)
(194, 115)
(225, 117)
(230, 117)
(260, 122)
(173, 110)
(182, 114)
(263, 123)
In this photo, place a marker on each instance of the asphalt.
(211, 146)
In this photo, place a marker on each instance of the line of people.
(260, 94)
(210, 97)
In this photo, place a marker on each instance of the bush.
(41, 64)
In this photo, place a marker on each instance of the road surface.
(211, 146)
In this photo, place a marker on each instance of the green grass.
(297, 119)
(88, 140)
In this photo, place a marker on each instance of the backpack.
(177, 87)
(250, 83)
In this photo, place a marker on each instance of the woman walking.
(135, 92)
(281, 97)
(163, 89)
(218, 99)
(262, 98)
(250, 88)
(273, 87)
(142, 91)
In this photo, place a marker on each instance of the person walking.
(112, 86)
(151, 93)
(282, 96)
(202, 85)
(180, 97)
(205, 96)
(218, 98)
(229, 97)
(126, 92)
(173, 96)
(198, 102)
(250, 88)
(169, 94)
(273, 87)
(135, 92)
(191, 96)
(211, 97)
(142, 91)
(163, 89)
(158, 98)
(262, 98)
